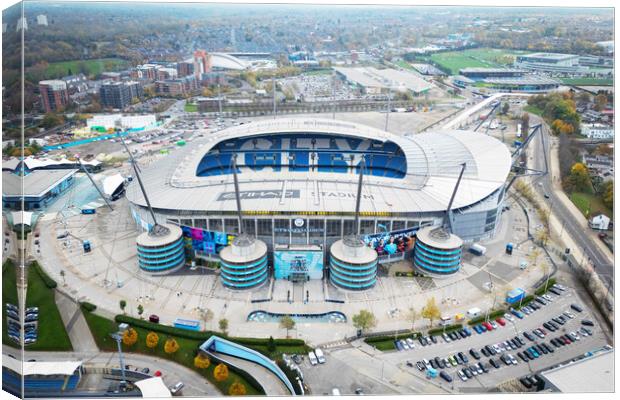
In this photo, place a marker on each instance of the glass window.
(384, 225)
(349, 227)
(316, 227)
(367, 226)
(264, 227)
(200, 223)
(186, 222)
(173, 221)
(412, 224)
(249, 227)
(215, 225)
(231, 225)
(398, 225)
(333, 227)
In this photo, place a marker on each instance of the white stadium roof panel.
(433, 164)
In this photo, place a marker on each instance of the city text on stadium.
(298, 180)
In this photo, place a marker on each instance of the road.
(487, 382)
(604, 267)
(195, 384)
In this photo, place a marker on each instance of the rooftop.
(551, 56)
(40, 367)
(35, 184)
(385, 78)
(591, 374)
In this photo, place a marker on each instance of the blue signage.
(298, 262)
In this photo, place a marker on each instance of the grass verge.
(589, 204)
(191, 107)
(588, 81)
(52, 335)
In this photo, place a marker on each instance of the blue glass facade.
(161, 258)
(352, 276)
(246, 275)
(435, 261)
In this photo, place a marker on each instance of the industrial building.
(40, 188)
(592, 374)
(298, 183)
(504, 80)
(376, 81)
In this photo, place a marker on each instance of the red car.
(488, 326)
(501, 321)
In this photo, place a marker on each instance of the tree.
(584, 97)
(123, 304)
(604, 149)
(431, 311)
(271, 345)
(600, 102)
(62, 274)
(223, 323)
(412, 315)
(287, 323)
(201, 361)
(505, 108)
(130, 337)
(171, 346)
(134, 100)
(533, 256)
(206, 92)
(220, 372)
(152, 340)
(140, 310)
(580, 178)
(608, 195)
(51, 120)
(364, 320)
(542, 236)
(237, 389)
(207, 315)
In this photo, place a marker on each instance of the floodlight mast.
(237, 195)
(135, 169)
(359, 196)
(93, 182)
(456, 187)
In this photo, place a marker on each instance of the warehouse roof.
(35, 184)
(385, 78)
(590, 374)
(433, 165)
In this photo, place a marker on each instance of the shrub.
(492, 315)
(86, 306)
(220, 372)
(152, 339)
(544, 288)
(449, 328)
(171, 346)
(201, 361)
(237, 389)
(130, 337)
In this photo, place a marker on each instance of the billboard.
(208, 242)
(391, 242)
(295, 262)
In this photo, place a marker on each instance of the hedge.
(448, 328)
(542, 289)
(492, 315)
(291, 375)
(376, 339)
(201, 335)
(526, 300)
(90, 307)
(49, 282)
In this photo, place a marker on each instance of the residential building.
(115, 95)
(176, 87)
(54, 95)
(202, 63)
(76, 83)
(600, 222)
(42, 20)
(597, 131)
(115, 76)
(185, 68)
(166, 73)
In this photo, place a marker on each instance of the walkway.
(75, 324)
(272, 385)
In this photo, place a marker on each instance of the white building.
(21, 23)
(42, 20)
(597, 131)
(121, 121)
(600, 222)
(38, 141)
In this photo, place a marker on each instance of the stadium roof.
(111, 183)
(590, 374)
(34, 163)
(385, 78)
(40, 367)
(226, 61)
(551, 56)
(433, 166)
(153, 387)
(471, 70)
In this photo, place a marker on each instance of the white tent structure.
(153, 387)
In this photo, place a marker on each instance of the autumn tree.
(152, 339)
(287, 323)
(237, 389)
(600, 101)
(201, 361)
(223, 323)
(220, 372)
(431, 311)
(412, 316)
(580, 178)
(130, 337)
(608, 195)
(171, 346)
(364, 320)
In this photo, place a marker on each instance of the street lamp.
(118, 336)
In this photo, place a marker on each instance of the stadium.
(298, 180)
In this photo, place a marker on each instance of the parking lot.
(359, 363)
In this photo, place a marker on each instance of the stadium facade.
(298, 180)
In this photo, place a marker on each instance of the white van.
(335, 392)
(474, 312)
(445, 321)
(320, 356)
(312, 358)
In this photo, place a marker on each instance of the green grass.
(588, 81)
(472, 58)
(52, 335)
(404, 64)
(323, 71)
(533, 110)
(190, 107)
(101, 328)
(589, 204)
(88, 67)
(9, 295)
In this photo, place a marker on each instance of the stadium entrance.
(298, 263)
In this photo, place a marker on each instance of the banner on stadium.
(392, 242)
(292, 264)
(208, 242)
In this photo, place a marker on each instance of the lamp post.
(118, 337)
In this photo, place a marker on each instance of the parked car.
(576, 308)
(587, 322)
(501, 321)
(494, 363)
(177, 387)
